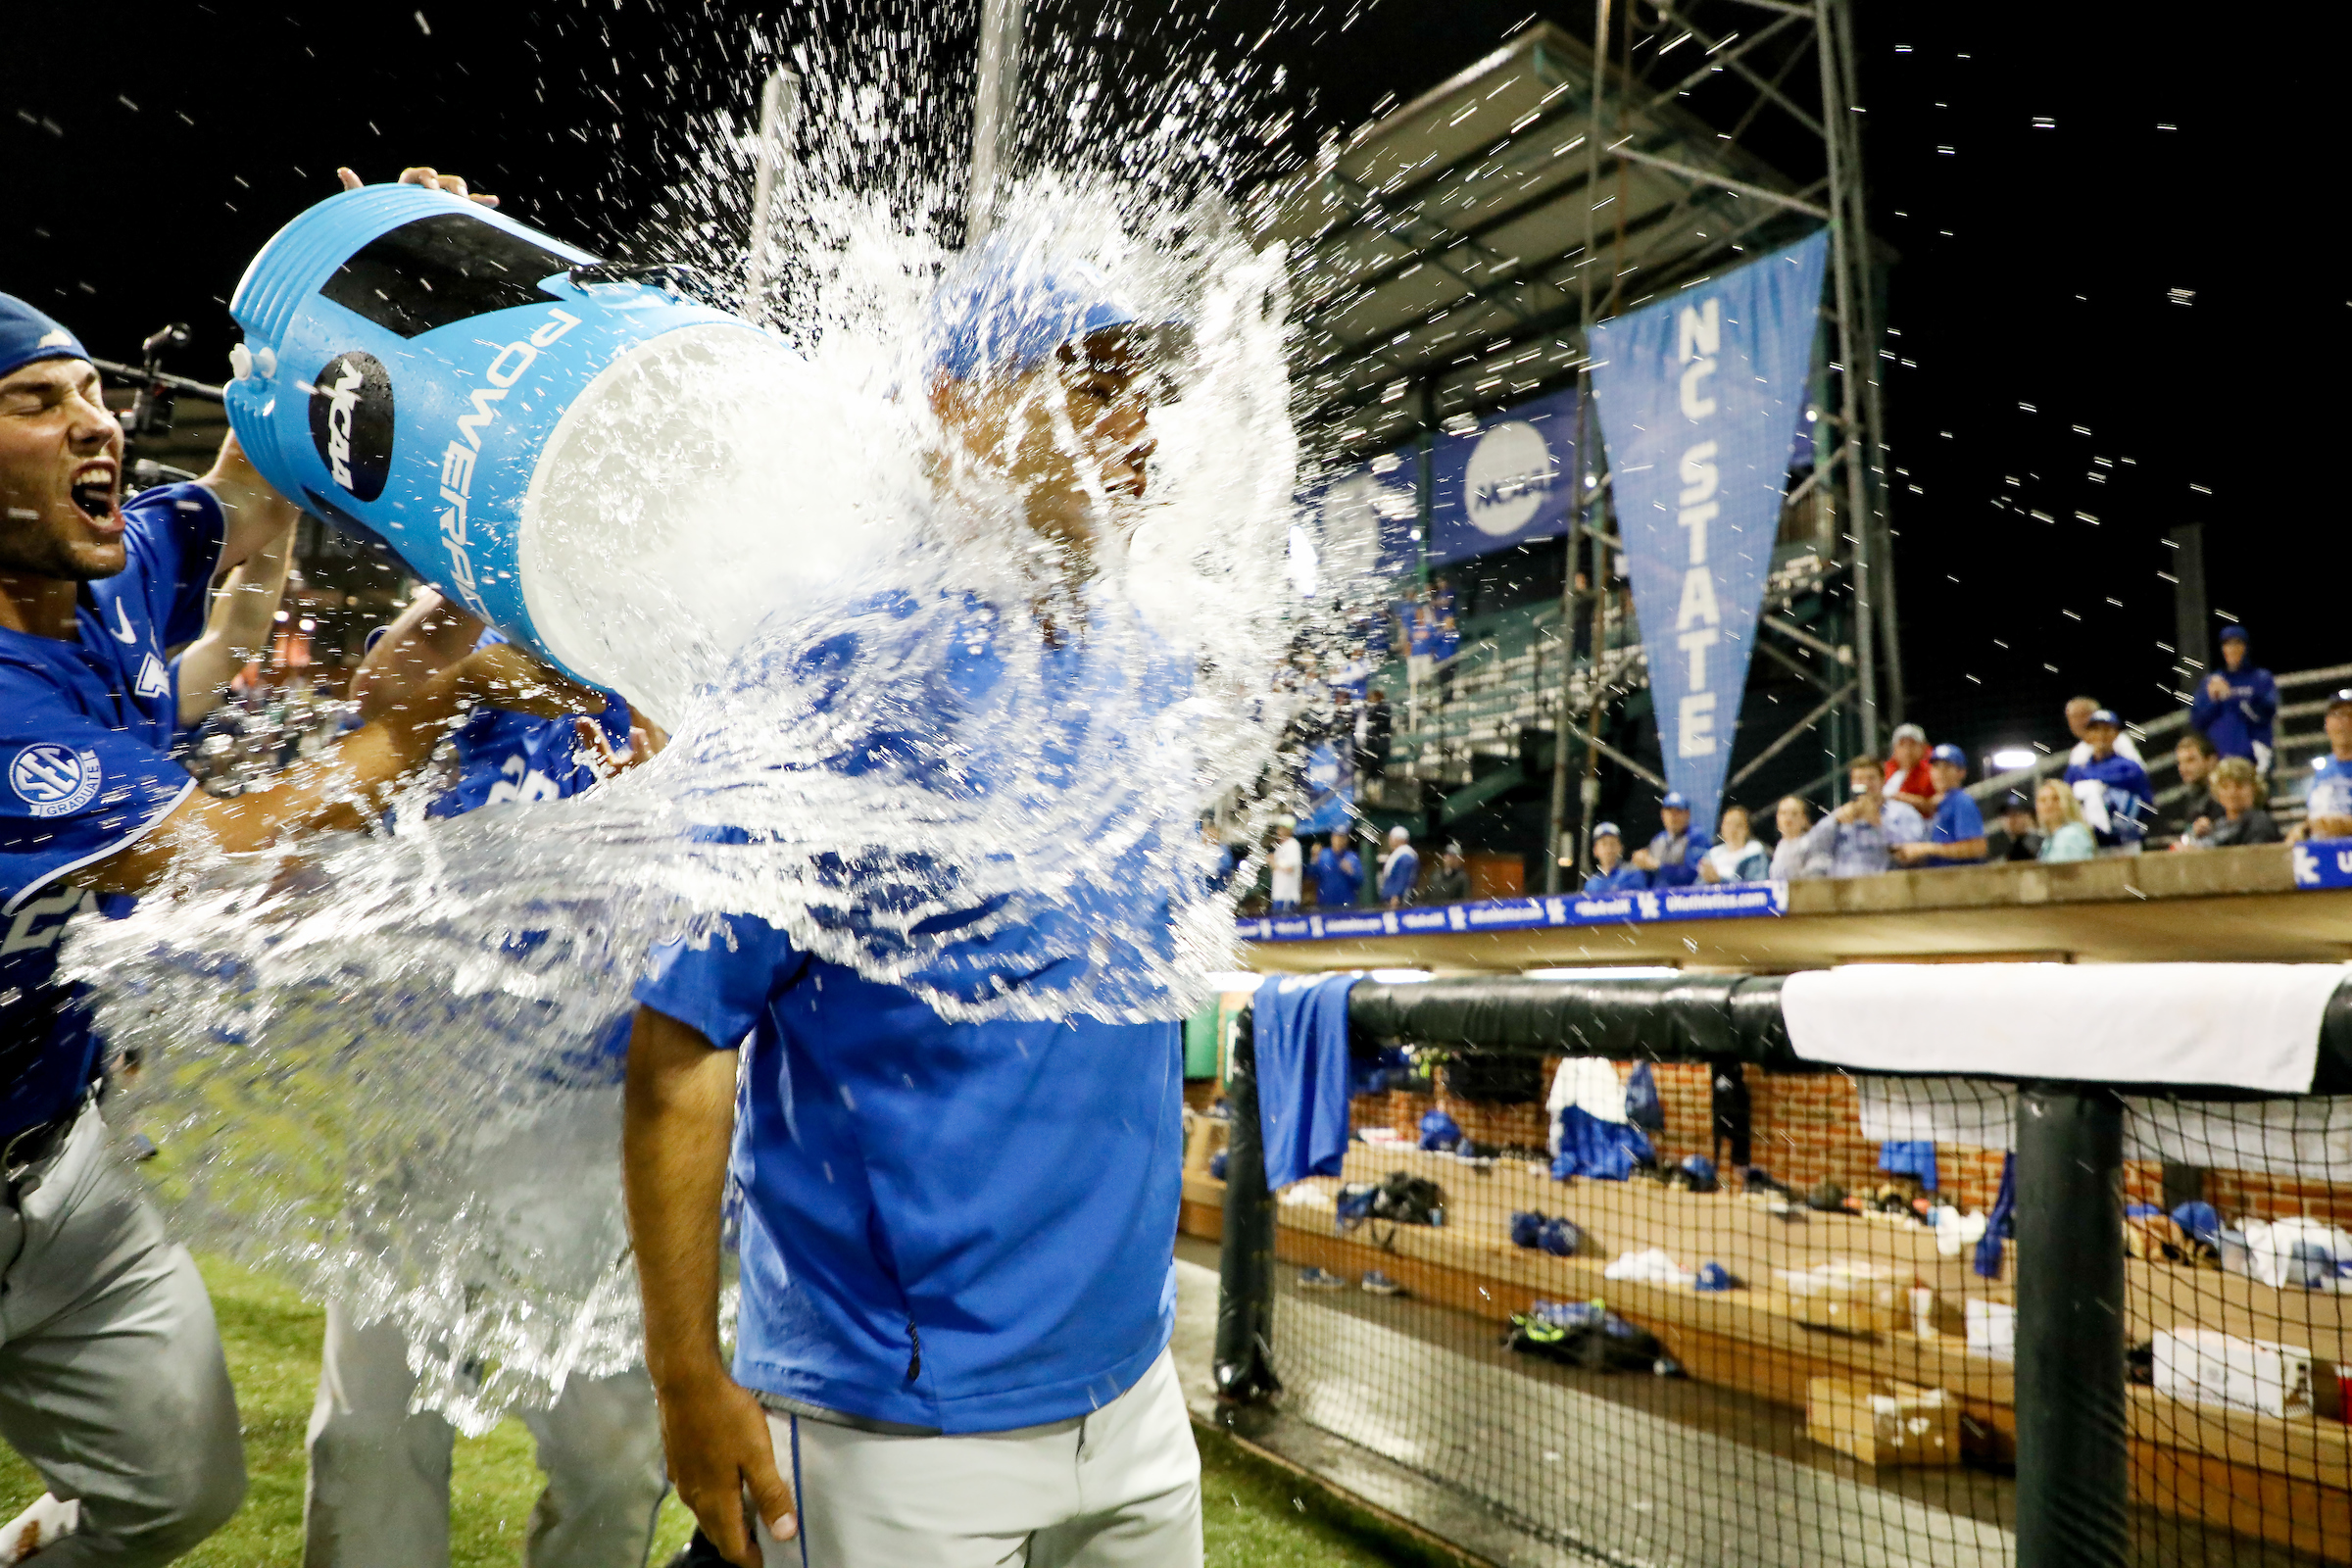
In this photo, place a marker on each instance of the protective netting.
(1700, 1313)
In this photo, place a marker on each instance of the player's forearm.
(243, 615)
(677, 1123)
(346, 788)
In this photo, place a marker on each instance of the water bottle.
(525, 427)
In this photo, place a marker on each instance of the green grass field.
(1255, 1518)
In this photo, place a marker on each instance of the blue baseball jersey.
(506, 755)
(85, 733)
(950, 1227)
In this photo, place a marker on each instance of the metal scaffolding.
(1450, 256)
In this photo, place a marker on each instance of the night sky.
(2109, 294)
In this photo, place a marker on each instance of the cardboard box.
(1849, 1298)
(1992, 1330)
(2215, 1368)
(1884, 1423)
(1202, 1140)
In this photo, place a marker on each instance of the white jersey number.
(26, 933)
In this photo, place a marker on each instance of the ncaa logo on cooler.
(350, 422)
(54, 779)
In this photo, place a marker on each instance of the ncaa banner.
(1699, 398)
(1509, 481)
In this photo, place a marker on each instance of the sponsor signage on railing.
(2324, 863)
(1732, 901)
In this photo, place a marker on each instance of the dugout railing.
(2101, 1387)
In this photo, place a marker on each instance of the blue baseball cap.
(28, 334)
(1674, 801)
(1948, 753)
(2103, 715)
(2233, 634)
(1010, 302)
(1607, 830)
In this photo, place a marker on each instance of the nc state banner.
(1699, 397)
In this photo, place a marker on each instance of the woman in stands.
(2064, 836)
(2241, 816)
(1738, 858)
(1790, 861)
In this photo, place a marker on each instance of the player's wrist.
(694, 1378)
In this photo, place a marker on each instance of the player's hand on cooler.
(428, 177)
(724, 1465)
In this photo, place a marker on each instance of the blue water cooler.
(408, 358)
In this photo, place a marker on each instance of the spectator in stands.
(2064, 836)
(1795, 856)
(1441, 594)
(1451, 884)
(1449, 640)
(1852, 840)
(2077, 724)
(2328, 807)
(1288, 860)
(1908, 790)
(1421, 647)
(1374, 726)
(1610, 872)
(1400, 870)
(2117, 801)
(2244, 820)
(2237, 704)
(2015, 837)
(1738, 858)
(2194, 756)
(1670, 859)
(1228, 858)
(1907, 778)
(1339, 873)
(1957, 830)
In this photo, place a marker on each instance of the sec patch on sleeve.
(53, 780)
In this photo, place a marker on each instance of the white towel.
(2245, 1025)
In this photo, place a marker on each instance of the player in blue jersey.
(956, 1237)
(112, 1381)
(377, 1494)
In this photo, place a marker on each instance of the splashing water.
(930, 745)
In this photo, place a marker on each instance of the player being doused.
(957, 1225)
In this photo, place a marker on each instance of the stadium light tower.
(996, 105)
(1449, 257)
(779, 116)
